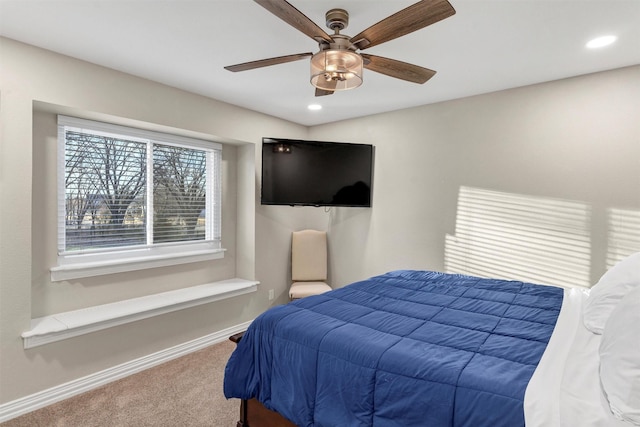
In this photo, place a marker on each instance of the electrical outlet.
(272, 294)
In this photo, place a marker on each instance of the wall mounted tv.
(316, 173)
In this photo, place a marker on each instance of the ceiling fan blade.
(267, 62)
(398, 69)
(292, 16)
(408, 20)
(331, 84)
(322, 92)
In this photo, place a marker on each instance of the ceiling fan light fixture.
(336, 69)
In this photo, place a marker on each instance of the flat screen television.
(316, 173)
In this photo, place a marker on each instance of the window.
(130, 199)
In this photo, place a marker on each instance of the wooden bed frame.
(253, 413)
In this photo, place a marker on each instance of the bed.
(418, 348)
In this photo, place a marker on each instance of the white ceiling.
(488, 45)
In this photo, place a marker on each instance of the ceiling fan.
(338, 64)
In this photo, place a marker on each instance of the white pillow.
(620, 359)
(610, 289)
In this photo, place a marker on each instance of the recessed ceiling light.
(314, 107)
(601, 42)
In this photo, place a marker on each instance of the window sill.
(70, 324)
(79, 270)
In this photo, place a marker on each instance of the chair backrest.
(309, 256)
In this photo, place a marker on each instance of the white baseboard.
(55, 394)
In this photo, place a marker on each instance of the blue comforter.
(407, 348)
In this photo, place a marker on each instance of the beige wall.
(575, 139)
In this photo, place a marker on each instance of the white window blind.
(104, 191)
(520, 237)
(126, 192)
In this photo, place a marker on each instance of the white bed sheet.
(565, 388)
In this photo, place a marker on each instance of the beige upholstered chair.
(308, 263)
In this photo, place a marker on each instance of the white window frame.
(95, 262)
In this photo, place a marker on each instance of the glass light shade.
(336, 70)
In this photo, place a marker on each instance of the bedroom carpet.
(183, 392)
